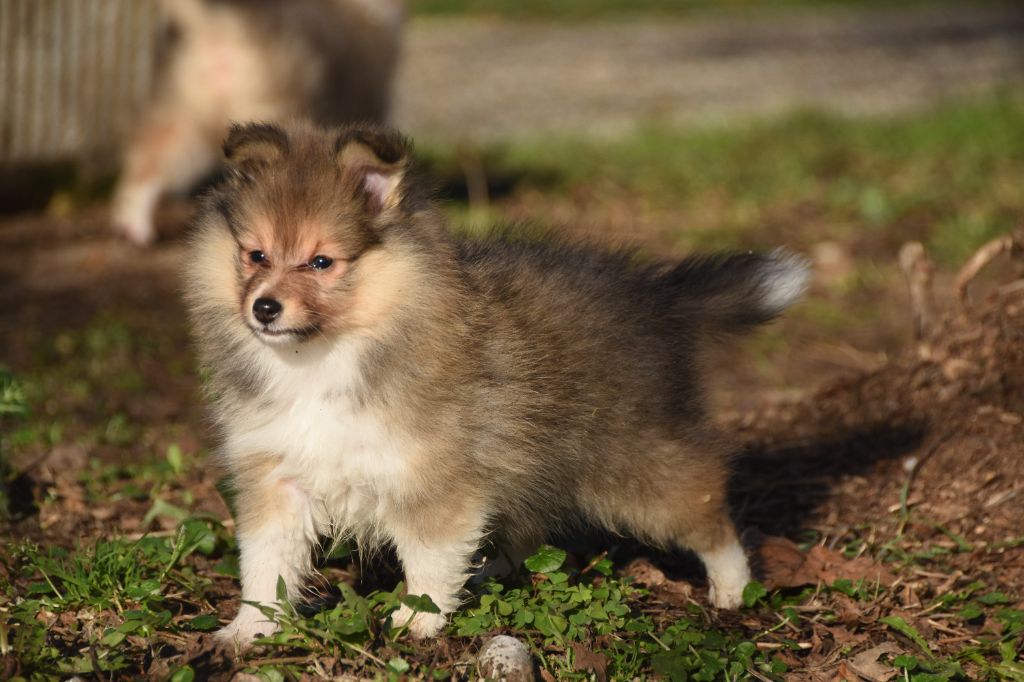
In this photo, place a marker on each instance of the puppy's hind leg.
(712, 536)
(728, 570)
(677, 499)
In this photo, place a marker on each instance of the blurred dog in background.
(233, 60)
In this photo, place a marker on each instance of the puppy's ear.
(252, 147)
(373, 163)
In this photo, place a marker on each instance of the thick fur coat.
(373, 377)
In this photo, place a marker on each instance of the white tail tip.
(784, 280)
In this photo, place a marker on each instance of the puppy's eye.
(320, 262)
(257, 257)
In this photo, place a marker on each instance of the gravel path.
(488, 79)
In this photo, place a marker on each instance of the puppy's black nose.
(266, 310)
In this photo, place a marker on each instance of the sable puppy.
(230, 60)
(373, 377)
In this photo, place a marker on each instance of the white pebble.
(506, 659)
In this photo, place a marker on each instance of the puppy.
(225, 60)
(374, 377)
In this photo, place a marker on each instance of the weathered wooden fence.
(73, 74)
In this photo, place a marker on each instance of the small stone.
(505, 659)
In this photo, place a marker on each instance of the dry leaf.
(587, 660)
(784, 565)
(866, 665)
(647, 574)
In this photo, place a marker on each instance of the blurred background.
(839, 128)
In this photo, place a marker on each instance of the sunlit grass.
(950, 177)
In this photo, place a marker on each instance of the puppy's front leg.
(436, 552)
(275, 532)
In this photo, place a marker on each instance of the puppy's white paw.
(728, 573)
(249, 625)
(729, 598)
(421, 625)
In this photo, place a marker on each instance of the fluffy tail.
(735, 292)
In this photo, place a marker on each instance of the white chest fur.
(337, 450)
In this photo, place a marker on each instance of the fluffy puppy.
(230, 60)
(374, 377)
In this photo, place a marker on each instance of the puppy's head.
(302, 227)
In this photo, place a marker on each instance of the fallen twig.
(918, 270)
(1010, 243)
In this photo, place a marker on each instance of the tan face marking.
(305, 218)
(305, 277)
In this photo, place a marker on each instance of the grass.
(949, 177)
(12, 405)
(113, 590)
(132, 600)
